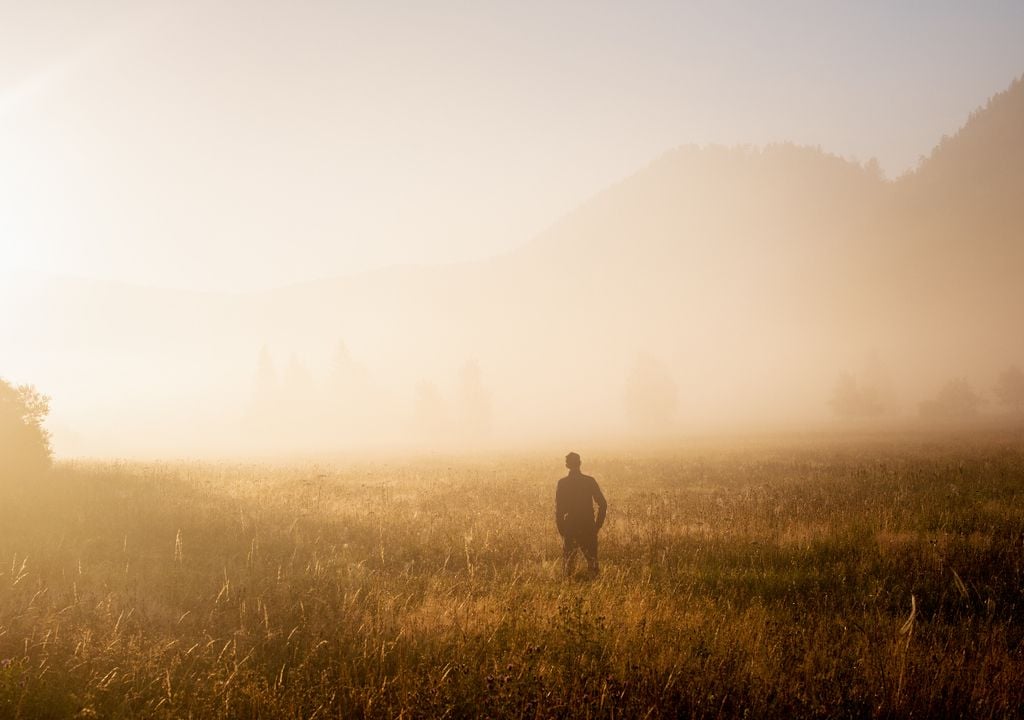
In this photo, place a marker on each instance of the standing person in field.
(574, 515)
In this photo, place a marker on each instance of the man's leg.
(568, 554)
(588, 544)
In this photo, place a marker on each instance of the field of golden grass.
(761, 579)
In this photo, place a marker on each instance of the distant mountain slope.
(754, 275)
(980, 168)
(957, 222)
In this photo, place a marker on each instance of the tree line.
(870, 394)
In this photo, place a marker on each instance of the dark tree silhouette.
(24, 443)
(1009, 388)
(956, 399)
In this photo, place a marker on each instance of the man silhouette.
(574, 515)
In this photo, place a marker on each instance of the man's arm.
(602, 505)
(560, 509)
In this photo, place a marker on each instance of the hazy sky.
(239, 145)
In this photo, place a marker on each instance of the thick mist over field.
(511, 359)
(314, 231)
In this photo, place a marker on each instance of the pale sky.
(244, 145)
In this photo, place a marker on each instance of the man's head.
(572, 461)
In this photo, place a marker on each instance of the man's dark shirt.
(574, 504)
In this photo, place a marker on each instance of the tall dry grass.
(767, 580)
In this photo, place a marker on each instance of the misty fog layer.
(717, 288)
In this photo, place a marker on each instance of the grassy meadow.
(786, 578)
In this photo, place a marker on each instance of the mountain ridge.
(744, 270)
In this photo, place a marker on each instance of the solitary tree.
(1009, 388)
(24, 443)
